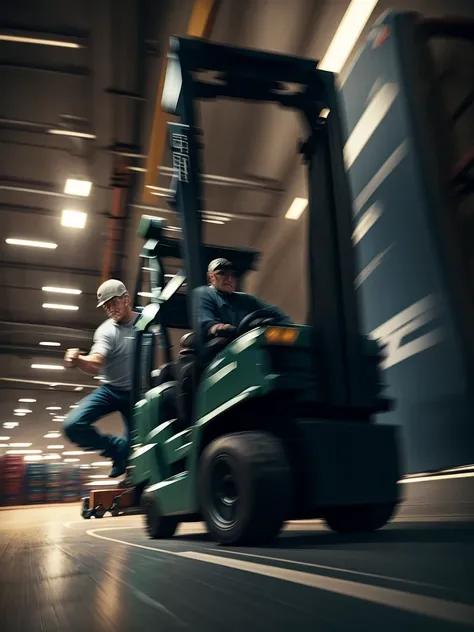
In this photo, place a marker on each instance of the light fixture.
(33, 457)
(73, 453)
(27, 400)
(296, 208)
(98, 476)
(61, 290)
(73, 219)
(37, 40)
(74, 406)
(71, 308)
(55, 447)
(97, 483)
(67, 132)
(48, 367)
(85, 467)
(24, 451)
(213, 221)
(52, 435)
(10, 424)
(20, 414)
(22, 410)
(3, 445)
(347, 34)
(53, 407)
(20, 445)
(51, 457)
(79, 388)
(71, 460)
(101, 464)
(50, 344)
(4, 438)
(14, 241)
(77, 187)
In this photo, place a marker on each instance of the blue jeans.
(78, 426)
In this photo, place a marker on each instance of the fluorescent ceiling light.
(32, 457)
(347, 34)
(27, 400)
(98, 476)
(79, 388)
(24, 451)
(71, 460)
(36, 40)
(74, 406)
(48, 367)
(55, 447)
(78, 187)
(73, 219)
(49, 344)
(52, 435)
(20, 414)
(100, 483)
(213, 221)
(53, 407)
(51, 457)
(297, 207)
(10, 424)
(22, 410)
(66, 132)
(20, 445)
(60, 290)
(13, 241)
(73, 453)
(85, 467)
(101, 464)
(3, 445)
(4, 438)
(71, 308)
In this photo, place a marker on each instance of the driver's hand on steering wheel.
(220, 327)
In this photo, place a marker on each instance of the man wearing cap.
(111, 358)
(218, 306)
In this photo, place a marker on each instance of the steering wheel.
(259, 318)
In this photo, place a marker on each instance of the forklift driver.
(218, 308)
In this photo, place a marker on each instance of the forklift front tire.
(244, 487)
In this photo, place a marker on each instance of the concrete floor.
(62, 573)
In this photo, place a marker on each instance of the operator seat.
(185, 377)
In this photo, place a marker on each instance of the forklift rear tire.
(244, 488)
(359, 519)
(100, 511)
(157, 526)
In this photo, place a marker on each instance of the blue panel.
(402, 282)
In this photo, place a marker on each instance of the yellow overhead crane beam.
(200, 25)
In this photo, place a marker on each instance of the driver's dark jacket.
(212, 307)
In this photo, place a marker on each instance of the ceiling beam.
(200, 25)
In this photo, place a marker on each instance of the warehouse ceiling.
(83, 109)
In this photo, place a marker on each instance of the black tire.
(244, 487)
(85, 512)
(359, 519)
(100, 511)
(158, 526)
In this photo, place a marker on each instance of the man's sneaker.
(120, 462)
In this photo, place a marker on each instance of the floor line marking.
(454, 612)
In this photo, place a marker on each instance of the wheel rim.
(224, 493)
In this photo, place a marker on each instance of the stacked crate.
(35, 483)
(12, 472)
(53, 482)
(71, 490)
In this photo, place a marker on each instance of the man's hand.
(219, 327)
(71, 356)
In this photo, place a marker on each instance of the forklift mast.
(258, 76)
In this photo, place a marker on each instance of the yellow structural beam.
(200, 25)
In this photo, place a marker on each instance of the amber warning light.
(281, 335)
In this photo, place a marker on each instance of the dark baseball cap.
(220, 264)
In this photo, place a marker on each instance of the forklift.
(280, 425)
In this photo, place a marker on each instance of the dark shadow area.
(424, 534)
